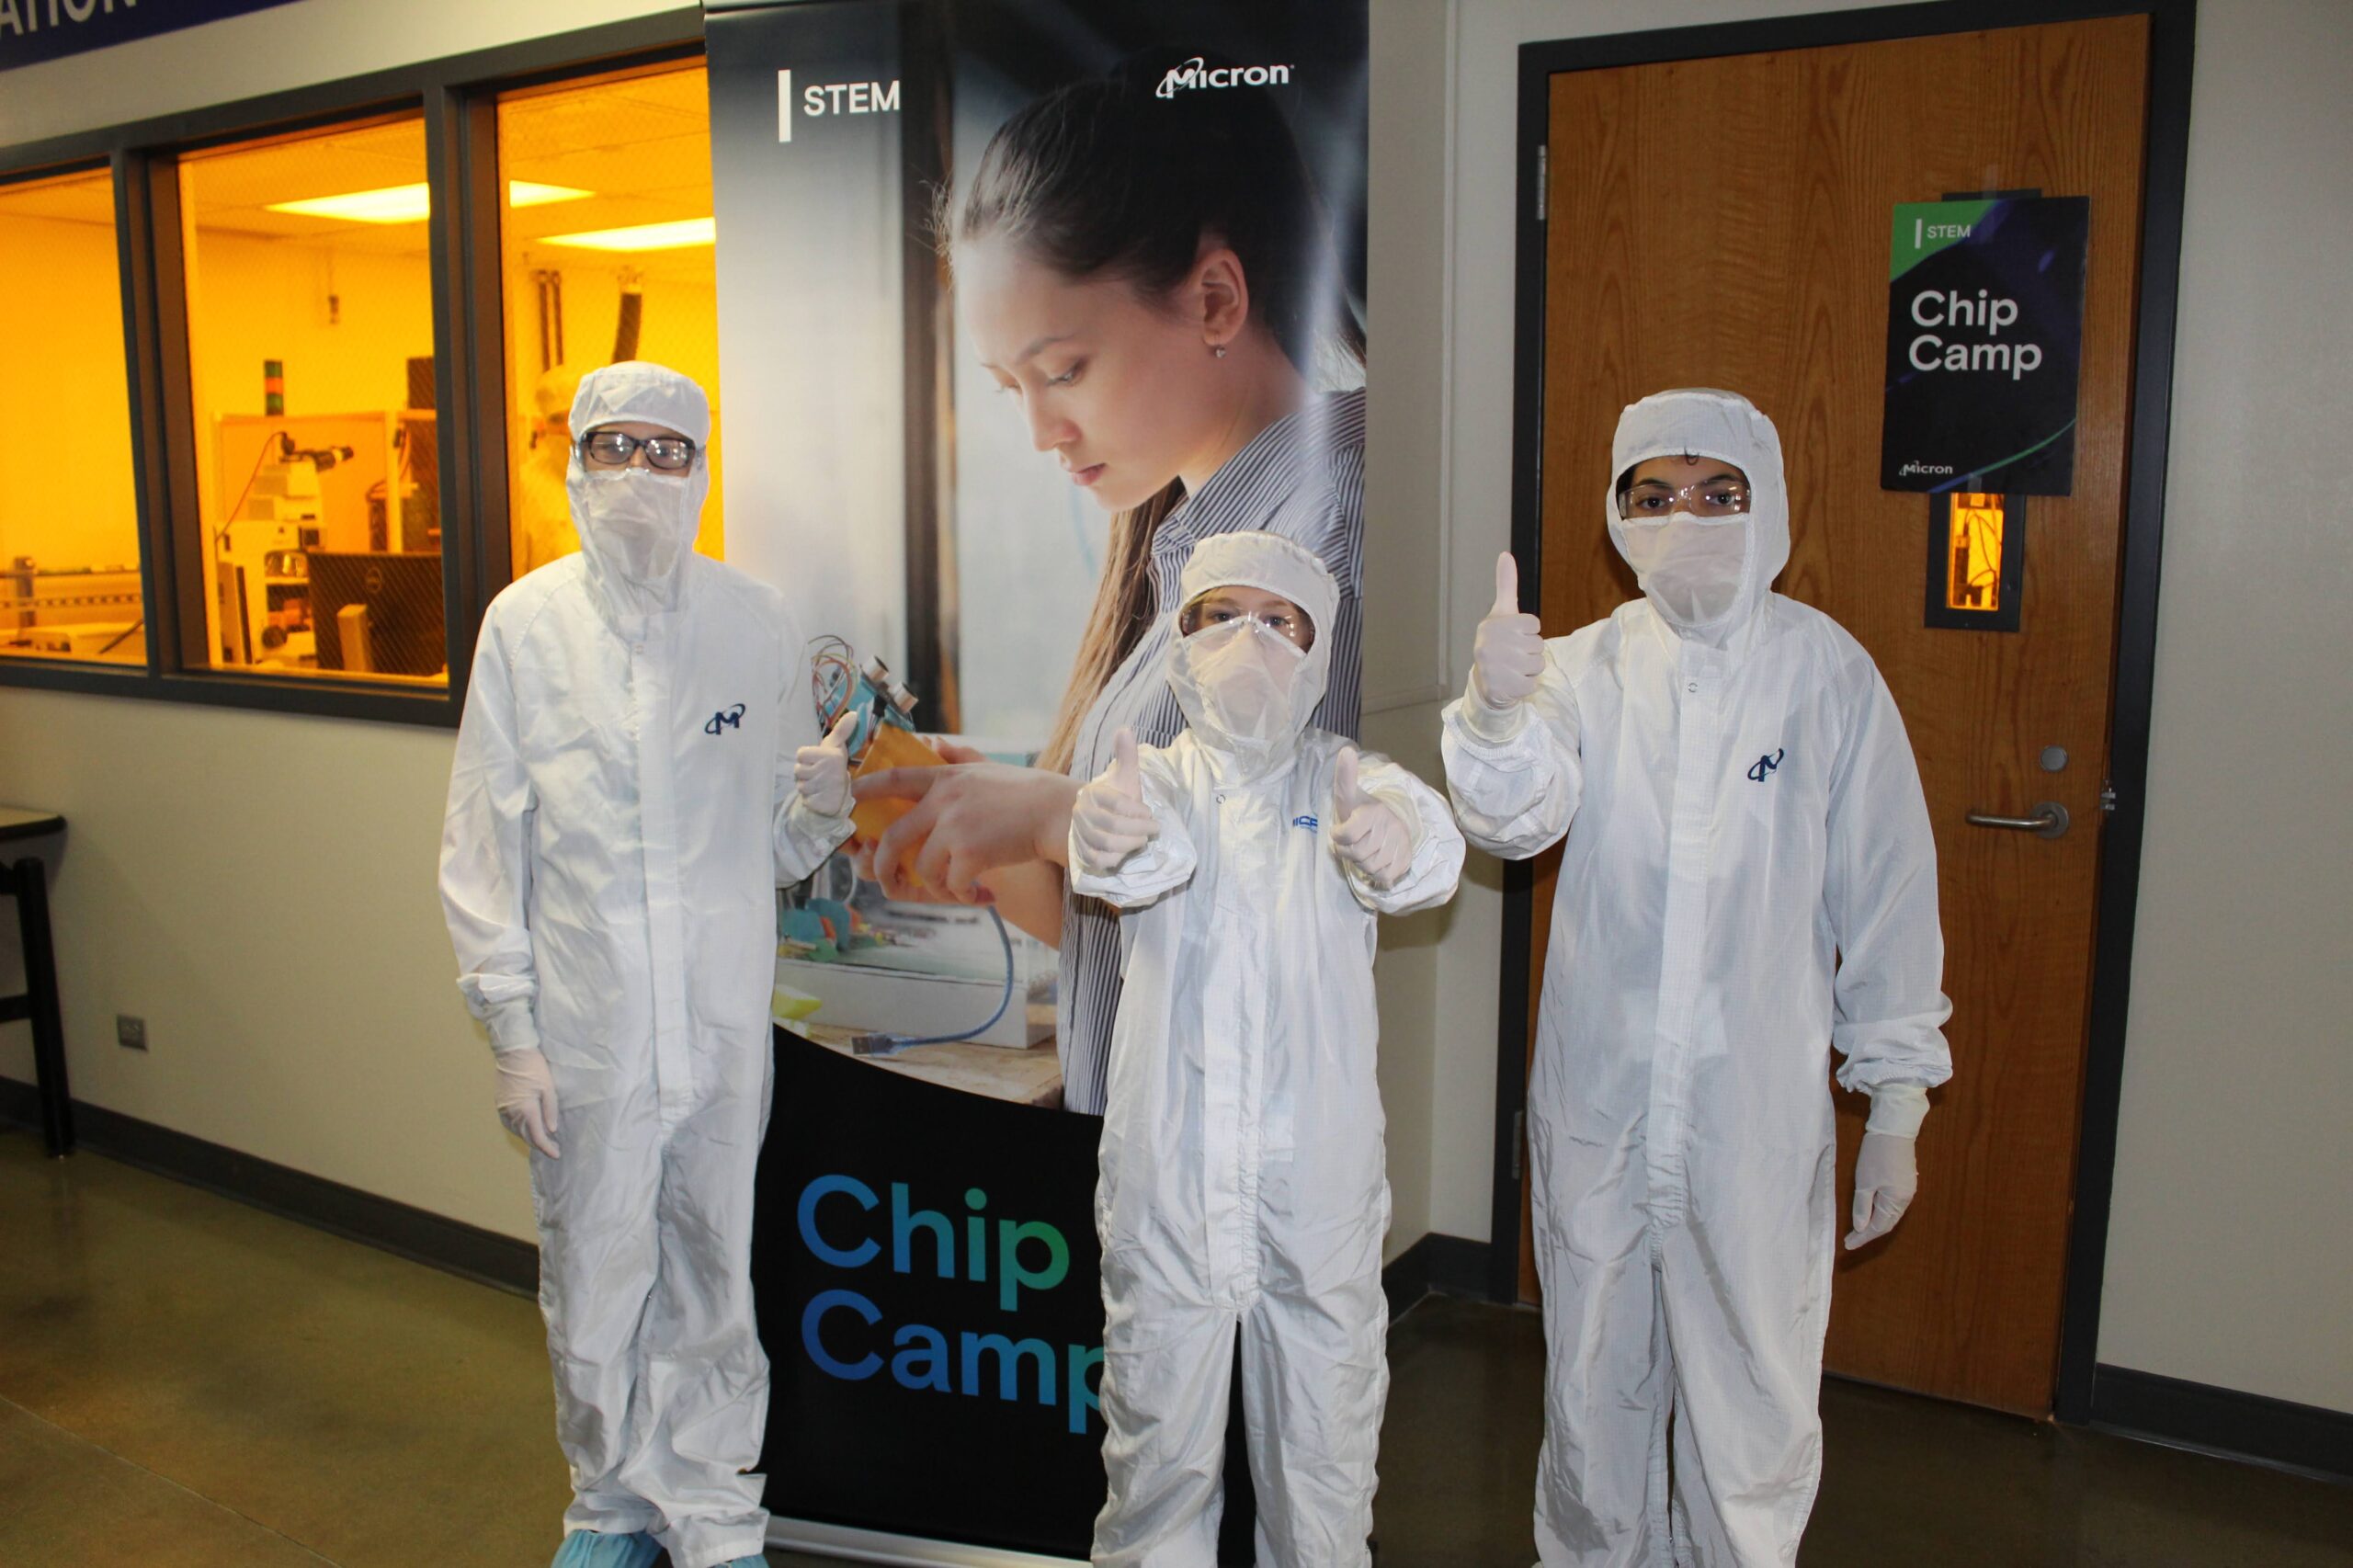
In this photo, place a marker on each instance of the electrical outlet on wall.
(129, 1033)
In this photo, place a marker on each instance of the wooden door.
(1725, 222)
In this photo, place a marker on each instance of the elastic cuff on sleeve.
(1408, 811)
(1496, 726)
(1897, 1109)
(514, 1029)
(815, 825)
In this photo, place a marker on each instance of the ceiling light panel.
(676, 236)
(413, 203)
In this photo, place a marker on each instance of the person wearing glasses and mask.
(1242, 1190)
(1748, 879)
(637, 770)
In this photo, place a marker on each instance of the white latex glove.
(527, 1098)
(1887, 1175)
(1509, 654)
(1368, 834)
(1110, 820)
(822, 772)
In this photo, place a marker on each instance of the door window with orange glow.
(312, 381)
(1973, 537)
(607, 242)
(1976, 561)
(69, 521)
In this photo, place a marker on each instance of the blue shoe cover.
(593, 1548)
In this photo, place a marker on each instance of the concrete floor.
(186, 1382)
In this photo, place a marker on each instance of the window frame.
(457, 97)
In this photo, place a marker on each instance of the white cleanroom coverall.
(1242, 1183)
(1748, 878)
(543, 491)
(621, 810)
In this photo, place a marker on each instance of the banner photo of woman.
(1026, 299)
(1023, 300)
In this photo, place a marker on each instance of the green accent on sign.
(1996, 465)
(1924, 228)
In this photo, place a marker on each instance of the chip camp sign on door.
(1984, 327)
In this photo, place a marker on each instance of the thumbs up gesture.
(1110, 820)
(1509, 654)
(1366, 834)
(822, 772)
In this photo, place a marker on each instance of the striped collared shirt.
(1301, 477)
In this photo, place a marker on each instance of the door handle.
(2050, 820)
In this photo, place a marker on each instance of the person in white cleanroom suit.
(1748, 879)
(636, 772)
(1242, 1186)
(543, 489)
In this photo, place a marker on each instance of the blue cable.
(884, 1044)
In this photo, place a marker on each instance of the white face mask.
(638, 522)
(1689, 567)
(1249, 681)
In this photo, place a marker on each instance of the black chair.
(27, 881)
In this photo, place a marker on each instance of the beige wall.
(201, 904)
(259, 888)
(2228, 1250)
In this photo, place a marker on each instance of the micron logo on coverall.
(840, 1327)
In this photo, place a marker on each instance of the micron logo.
(1197, 73)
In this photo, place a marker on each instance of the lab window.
(70, 585)
(608, 250)
(311, 382)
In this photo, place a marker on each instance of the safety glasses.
(1654, 500)
(614, 448)
(1213, 609)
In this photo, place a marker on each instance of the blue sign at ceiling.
(35, 31)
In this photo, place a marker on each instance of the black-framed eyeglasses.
(613, 449)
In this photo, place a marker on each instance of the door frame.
(2172, 33)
